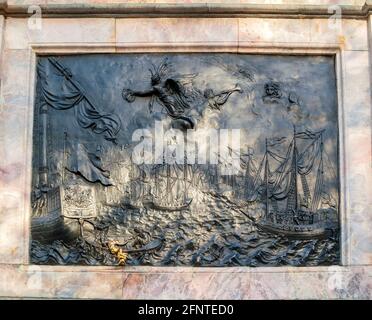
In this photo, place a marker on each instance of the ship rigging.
(291, 208)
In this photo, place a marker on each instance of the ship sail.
(292, 201)
(254, 192)
(250, 174)
(172, 182)
(307, 196)
(286, 181)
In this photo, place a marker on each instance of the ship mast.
(185, 176)
(319, 179)
(248, 167)
(247, 181)
(267, 180)
(64, 160)
(295, 168)
(292, 201)
(131, 178)
(156, 186)
(168, 184)
(43, 167)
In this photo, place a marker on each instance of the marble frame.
(183, 282)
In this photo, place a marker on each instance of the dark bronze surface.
(93, 204)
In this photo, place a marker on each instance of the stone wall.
(274, 27)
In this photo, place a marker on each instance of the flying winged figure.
(175, 93)
(178, 95)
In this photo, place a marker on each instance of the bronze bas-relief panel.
(119, 175)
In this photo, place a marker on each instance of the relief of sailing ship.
(138, 187)
(59, 211)
(171, 187)
(163, 187)
(291, 208)
(66, 207)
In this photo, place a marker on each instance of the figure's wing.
(184, 84)
(240, 71)
(218, 62)
(165, 68)
(173, 86)
(185, 79)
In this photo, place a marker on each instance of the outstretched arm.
(131, 95)
(145, 93)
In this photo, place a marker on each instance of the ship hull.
(129, 205)
(300, 233)
(155, 206)
(53, 227)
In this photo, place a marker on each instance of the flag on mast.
(62, 91)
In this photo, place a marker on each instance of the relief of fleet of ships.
(286, 186)
(281, 182)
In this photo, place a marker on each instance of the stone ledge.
(185, 283)
(92, 8)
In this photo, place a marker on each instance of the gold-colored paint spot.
(118, 252)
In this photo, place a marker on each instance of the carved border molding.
(185, 10)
